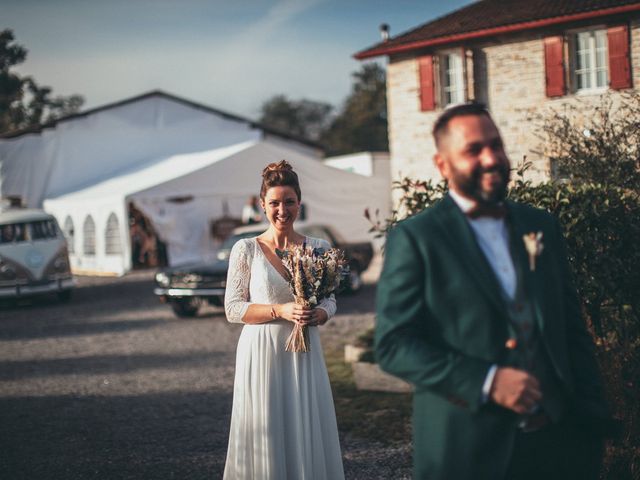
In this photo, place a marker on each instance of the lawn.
(384, 417)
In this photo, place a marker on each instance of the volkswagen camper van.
(33, 255)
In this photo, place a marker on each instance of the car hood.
(200, 268)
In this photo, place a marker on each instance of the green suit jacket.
(442, 323)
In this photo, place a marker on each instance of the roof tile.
(488, 14)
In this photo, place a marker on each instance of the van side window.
(7, 233)
(13, 233)
(43, 230)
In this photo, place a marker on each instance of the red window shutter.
(619, 66)
(427, 90)
(554, 66)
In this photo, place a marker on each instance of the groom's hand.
(516, 390)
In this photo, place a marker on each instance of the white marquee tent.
(182, 164)
(81, 150)
(206, 183)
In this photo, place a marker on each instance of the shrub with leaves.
(599, 144)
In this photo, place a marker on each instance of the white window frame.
(456, 89)
(70, 234)
(112, 242)
(592, 55)
(89, 236)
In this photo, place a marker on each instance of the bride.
(283, 424)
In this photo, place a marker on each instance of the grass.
(384, 417)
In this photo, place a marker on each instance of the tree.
(10, 84)
(23, 103)
(303, 118)
(361, 125)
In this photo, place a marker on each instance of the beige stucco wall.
(515, 91)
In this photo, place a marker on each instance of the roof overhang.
(488, 32)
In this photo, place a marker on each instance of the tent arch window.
(69, 234)
(89, 236)
(113, 244)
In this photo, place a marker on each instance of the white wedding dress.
(283, 423)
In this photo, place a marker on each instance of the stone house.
(519, 57)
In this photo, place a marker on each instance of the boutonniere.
(534, 246)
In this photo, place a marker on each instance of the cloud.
(277, 16)
(255, 37)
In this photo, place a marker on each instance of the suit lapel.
(460, 236)
(531, 279)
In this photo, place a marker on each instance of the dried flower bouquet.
(314, 274)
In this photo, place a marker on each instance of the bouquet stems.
(298, 340)
(314, 273)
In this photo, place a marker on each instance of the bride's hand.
(318, 317)
(294, 313)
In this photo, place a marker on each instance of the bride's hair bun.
(279, 174)
(282, 165)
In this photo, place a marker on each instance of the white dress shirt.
(493, 238)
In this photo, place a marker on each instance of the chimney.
(384, 32)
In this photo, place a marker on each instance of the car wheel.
(64, 295)
(355, 281)
(186, 307)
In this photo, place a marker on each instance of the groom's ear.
(442, 164)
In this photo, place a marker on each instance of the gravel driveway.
(112, 386)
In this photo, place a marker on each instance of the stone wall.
(513, 88)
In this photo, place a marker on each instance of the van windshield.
(28, 231)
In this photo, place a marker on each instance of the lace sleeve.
(327, 304)
(236, 296)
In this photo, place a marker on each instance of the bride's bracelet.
(273, 313)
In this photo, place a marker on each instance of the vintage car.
(33, 255)
(186, 287)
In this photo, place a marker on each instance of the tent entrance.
(147, 249)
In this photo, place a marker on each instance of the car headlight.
(61, 263)
(162, 279)
(58, 266)
(12, 272)
(7, 272)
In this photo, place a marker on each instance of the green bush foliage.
(597, 202)
(598, 144)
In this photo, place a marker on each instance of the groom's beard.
(471, 185)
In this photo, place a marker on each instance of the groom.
(486, 328)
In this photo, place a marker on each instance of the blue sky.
(231, 55)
